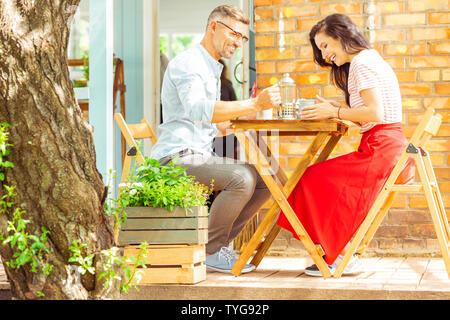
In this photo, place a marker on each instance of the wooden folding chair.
(131, 132)
(428, 185)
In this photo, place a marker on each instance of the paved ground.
(284, 278)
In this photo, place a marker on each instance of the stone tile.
(436, 276)
(288, 263)
(284, 278)
(417, 264)
(436, 264)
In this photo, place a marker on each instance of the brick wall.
(412, 36)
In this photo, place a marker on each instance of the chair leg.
(380, 200)
(126, 169)
(376, 223)
(435, 206)
(272, 235)
(437, 195)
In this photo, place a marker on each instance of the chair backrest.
(427, 127)
(131, 132)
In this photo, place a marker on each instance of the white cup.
(265, 114)
(303, 103)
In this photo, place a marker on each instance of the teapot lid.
(286, 79)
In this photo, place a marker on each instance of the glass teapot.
(288, 91)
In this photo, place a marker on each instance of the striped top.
(369, 70)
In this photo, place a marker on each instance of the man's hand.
(226, 110)
(268, 98)
(222, 127)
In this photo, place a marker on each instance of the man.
(193, 116)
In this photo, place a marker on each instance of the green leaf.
(8, 164)
(24, 258)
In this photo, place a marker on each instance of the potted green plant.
(163, 205)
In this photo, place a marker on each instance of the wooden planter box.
(172, 263)
(176, 239)
(160, 226)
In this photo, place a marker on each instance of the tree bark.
(55, 174)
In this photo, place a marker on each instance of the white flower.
(133, 191)
(136, 184)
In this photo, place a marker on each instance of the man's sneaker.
(314, 271)
(353, 267)
(224, 260)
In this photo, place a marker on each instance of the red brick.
(429, 75)
(388, 243)
(262, 3)
(346, 8)
(437, 103)
(389, 7)
(429, 34)
(311, 79)
(405, 19)
(413, 244)
(439, 18)
(411, 103)
(442, 173)
(265, 67)
(429, 61)
(432, 244)
(396, 63)
(408, 216)
(392, 232)
(305, 52)
(421, 5)
(400, 202)
(265, 41)
(415, 89)
(263, 13)
(442, 88)
(406, 76)
(421, 202)
(306, 24)
(273, 26)
(440, 48)
(308, 92)
(424, 231)
(274, 54)
(265, 81)
(437, 160)
(300, 11)
(296, 66)
(444, 187)
(389, 35)
(292, 39)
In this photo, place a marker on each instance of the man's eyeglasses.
(236, 35)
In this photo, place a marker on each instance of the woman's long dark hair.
(339, 27)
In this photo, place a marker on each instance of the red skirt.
(333, 197)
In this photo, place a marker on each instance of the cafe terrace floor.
(283, 278)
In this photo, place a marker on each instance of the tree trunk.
(55, 174)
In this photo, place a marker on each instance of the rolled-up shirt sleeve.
(193, 96)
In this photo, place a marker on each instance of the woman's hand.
(325, 109)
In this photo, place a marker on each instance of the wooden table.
(326, 134)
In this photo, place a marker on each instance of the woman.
(333, 197)
(226, 94)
